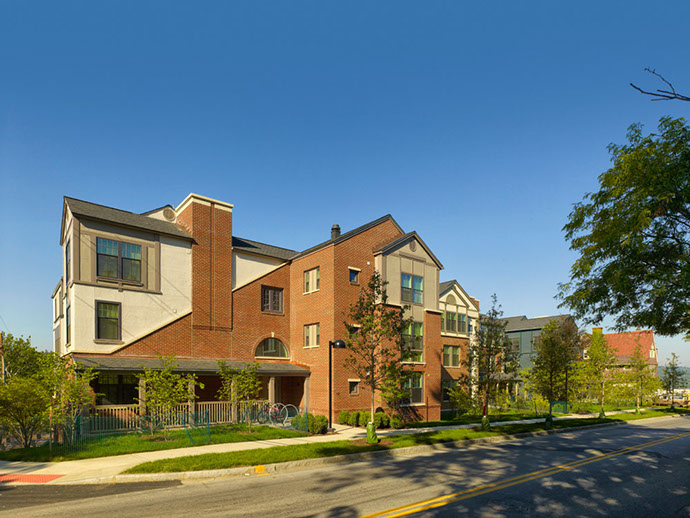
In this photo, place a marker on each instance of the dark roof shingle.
(122, 217)
(247, 245)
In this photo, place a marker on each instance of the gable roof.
(123, 218)
(624, 344)
(348, 235)
(443, 287)
(247, 245)
(408, 237)
(522, 323)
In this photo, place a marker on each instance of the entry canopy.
(114, 363)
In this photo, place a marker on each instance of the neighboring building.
(624, 344)
(176, 281)
(522, 331)
(459, 318)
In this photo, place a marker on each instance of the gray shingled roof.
(348, 235)
(407, 237)
(522, 323)
(119, 363)
(246, 245)
(122, 217)
(445, 286)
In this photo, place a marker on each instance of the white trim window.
(312, 280)
(414, 383)
(451, 356)
(311, 335)
(413, 343)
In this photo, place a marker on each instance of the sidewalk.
(82, 471)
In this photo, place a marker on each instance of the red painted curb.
(32, 479)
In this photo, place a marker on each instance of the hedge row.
(361, 418)
(318, 424)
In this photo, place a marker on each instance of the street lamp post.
(338, 344)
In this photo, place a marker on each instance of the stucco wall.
(247, 267)
(141, 312)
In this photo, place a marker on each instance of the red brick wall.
(175, 339)
(251, 325)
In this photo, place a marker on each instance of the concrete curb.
(324, 461)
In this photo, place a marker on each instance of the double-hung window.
(450, 322)
(118, 260)
(271, 299)
(415, 386)
(68, 261)
(451, 356)
(107, 320)
(68, 325)
(311, 335)
(446, 387)
(413, 343)
(312, 280)
(411, 288)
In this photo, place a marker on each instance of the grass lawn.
(316, 450)
(510, 415)
(135, 442)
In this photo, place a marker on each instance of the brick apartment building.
(176, 281)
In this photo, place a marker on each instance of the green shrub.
(381, 420)
(343, 417)
(298, 422)
(364, 418)
(354, 418)
(397, 423)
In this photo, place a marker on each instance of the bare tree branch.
(662, 95)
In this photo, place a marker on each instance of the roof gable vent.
(169, 214)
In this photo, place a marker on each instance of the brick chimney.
(335, 232)
(209, 222)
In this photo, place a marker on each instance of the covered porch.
(121, 392)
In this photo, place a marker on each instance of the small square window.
(354, 387)
(354, 276)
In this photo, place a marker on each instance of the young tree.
(70, 386)
(672, 376)
(239, 386)
(24, 408)
(490, 355)
(640, 378)
(558, 347)
(632, 237)
(165, 389)
(597, 367)
(376, 349)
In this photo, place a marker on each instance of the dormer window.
(118, 260)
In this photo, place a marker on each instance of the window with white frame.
(413, 343)
(411, 288)
(272, 348)
(455, 322)
(414, 384)
(312, 280)
(353, 387)
(451, 356)
(311, 335)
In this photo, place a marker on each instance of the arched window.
(272, 348)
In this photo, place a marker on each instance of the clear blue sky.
(477, 125)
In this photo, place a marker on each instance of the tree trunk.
(373, 403)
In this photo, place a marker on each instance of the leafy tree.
(166, 389)
(558, 347)
(21, 358)
(672, 376)
(70, 385)
(598, 371)
(239, 386)
(632, 236)
(642, 381)
(24, 408)
(376, 349)
(490, 356)
(392, 389)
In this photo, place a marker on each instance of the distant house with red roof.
(624, 345)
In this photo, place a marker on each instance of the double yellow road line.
(502, 484)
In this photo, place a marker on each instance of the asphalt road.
(639, 469)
